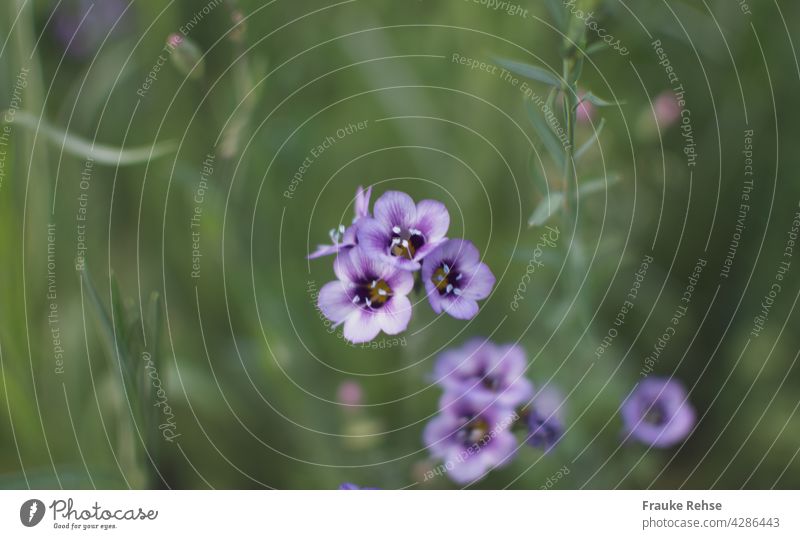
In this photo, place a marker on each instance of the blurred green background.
(249, 370)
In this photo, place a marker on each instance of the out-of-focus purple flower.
(369, 296)
(545, 419)
(402, 232)
(350, 393)
(490, 370)
(471, 435)
(658, 412)
(455, 278)
(85, 38)
(667, 109)
(342, 237)
(353, 486)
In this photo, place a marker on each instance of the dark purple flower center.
(372, 294)
(474, 431)
(488, 381)
(406, 243)
(447, 280)
(654, 413)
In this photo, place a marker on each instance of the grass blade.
(80, 147)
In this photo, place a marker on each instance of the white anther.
(395, 241)
(396, 229)
(341, 229)
(458, 277)
(449, 288)
(369, 302)
(356, 299)
(382, 292)
(374, 283)
(446, 268)
(457, 291)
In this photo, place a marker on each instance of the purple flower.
(402, 232)
(658, 412)
(455, 279)
(545, 421)
(369, 296)
(495, 372)
(471, 435)
(100, 17)
(353, 486)
(344, 238)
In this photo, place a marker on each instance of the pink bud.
(174, 40)
(666, 108)
(585, 111)
(350, 393)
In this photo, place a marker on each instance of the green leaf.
(102, 313)
(556, 8)
(547, 207)
(597, 185)
(597, 46)
(543, 129)
(590, 142)
(599, 102)
(80, 147)
(530, 71)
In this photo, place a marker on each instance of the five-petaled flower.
(369, 296)
(455, 278)
(401, 232)
(658, 412)
(472, 435)
(490, 370)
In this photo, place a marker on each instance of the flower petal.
(334, 301)
(462, 253)
(401, 282)
(324, 250)
(361, 326)
(432, 220)
(395, 315)
(362, 201)
(395, 208)
(374, 237)
(465, 470)
(459, 307)
(480, 282)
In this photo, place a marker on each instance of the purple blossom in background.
(401, 232)
(369, 297)
(353, 486)
(344, 238)
(85, 38)
(471, 435)
(487, 369)
(455, 279)
(545, 419)
(658, 412)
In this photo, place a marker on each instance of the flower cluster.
(486, 396)
(376, 260)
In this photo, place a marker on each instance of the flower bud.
(186, 56)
